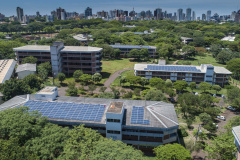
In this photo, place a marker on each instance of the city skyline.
(30, 7)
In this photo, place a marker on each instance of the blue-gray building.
(143, 124)
(236, 133)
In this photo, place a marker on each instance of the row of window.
(113, 132)
(113, 120)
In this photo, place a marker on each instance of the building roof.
(186, 38)
(79, 49)
(6, 69)
(26, 67)
(81, 37)
(47, 90)
(159, 114)
(228, 38)
(133, 46)
(42, 48)
(180, 68)
(115, 107)
(33, 48)
(236, 131)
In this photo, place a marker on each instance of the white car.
(231, 108)
(221, 117)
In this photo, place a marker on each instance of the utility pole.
(198, 132)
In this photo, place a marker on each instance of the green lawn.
(202, 60)
(111, 66)
(116, 82)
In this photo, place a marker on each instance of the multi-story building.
(125, 49)
(209, 15)
(7, 67)
(88, 12)
(204, 73)
(236, 133)
(203, 17)
(158, 13)
(143, 124)
(193, 16)
(2, 16)
(66, 59)
(237, 17)
(20, 14)
(180, 15)
(61, 14)
(188, 14)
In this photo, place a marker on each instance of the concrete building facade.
(66, 59)
(24, 70)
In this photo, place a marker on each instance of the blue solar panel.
(137, 116)
(85, 112)
(172, 68)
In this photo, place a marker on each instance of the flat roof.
(26, 67)
(159, 114)
(133, 46)
(47, 90)
(179, 68)
(34, 48)
(236, 131)
(43, 48)
(6, 69)
(115, 107)
(81, 37)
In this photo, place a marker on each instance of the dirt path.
(174, 63)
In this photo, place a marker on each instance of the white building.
(7, 67)
(24, 70)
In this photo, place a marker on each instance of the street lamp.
(53, 77)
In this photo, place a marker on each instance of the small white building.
(24, 70)
(47, 94)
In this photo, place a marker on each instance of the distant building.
(216, 16)
(25, 19)
(24, 70)
(180, 15)
(237, 17)
(186, 40)
(61, 14)
(66, 59)
(102, 14)
(88, 12)
(38, 14)
(203, 17)
(193, 16)
(158, 13)
(125, 49)
(232, 17)
(209, 15)
(2, 16)
(236, 134)
(83, 38)
(20, 14)
(7, 67)
(142, 124)
(49, 18)
(188, 14)
(204, 73)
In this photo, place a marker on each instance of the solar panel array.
(137, 116)
(172, 68)
(76, 111)
(130, 46)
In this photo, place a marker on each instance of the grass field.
(202, 60)
(116, 82)
(111, 66)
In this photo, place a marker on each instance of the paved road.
(116, 74)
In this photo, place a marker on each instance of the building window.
(113, 120)
(113, 132)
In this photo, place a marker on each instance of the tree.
(97, 77)
(233, 93)
(202, 135)
(210, 127)
(224, 56)
(61, 77)
(155, 95)
(156, 81)
(42, 72)
(192, 85)
(168, 83)
(205, 118)
(13, 87)
(107, 95)
(180, 85)
(72, 90)
(47, 66)
(189, 50)
(107, 51)
(77, 74)
(205, 86)
(215, 49)
(117, 53)
(234, 66)
(189, 103)
(103, 89)
(144, 53)
(172, 151)
(133, 79)
(165, 50)
(92, 88)
(49, 30)
(110, 149)
(144, 81)
(29, 59)
(217, 88)
(134, 53)
(33, 81)
(85, 78)
(123, 79)
(20, 124)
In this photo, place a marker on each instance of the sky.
(222, 7)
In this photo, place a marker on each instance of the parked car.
(196, 93)
(221, 117)
(231, 108)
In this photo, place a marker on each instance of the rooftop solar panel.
(172, 68)
(138, 115)
(84, 112)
